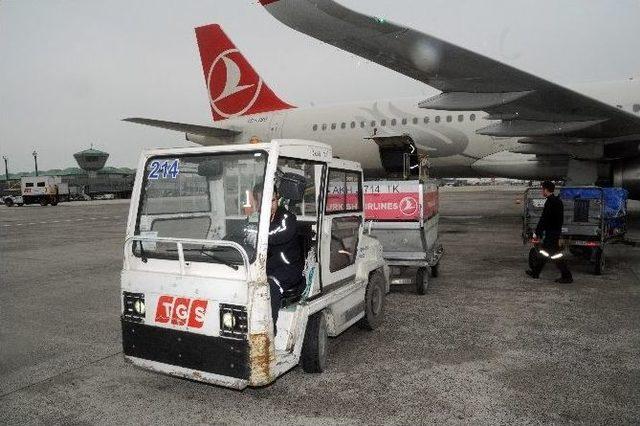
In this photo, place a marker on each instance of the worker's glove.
(534, 236)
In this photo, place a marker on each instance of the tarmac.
(486, 345)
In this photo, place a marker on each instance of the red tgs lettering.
(180, 311)
(164, 308)
(196, 313)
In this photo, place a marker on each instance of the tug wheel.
(314, 347)
(435, 270)
(600, 262)
(422, 281)
(373, 302)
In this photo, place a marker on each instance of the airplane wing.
(194, 129)
(521, 103)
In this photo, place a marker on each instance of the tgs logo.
(181, 311)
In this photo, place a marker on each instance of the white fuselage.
(448, 138)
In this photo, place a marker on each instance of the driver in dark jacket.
(284, 255)
(549, 229)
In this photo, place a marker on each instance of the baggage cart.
(594, 217)
(403, 216)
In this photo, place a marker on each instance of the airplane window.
(437, 118)
(415, 120)
(426, 120)
(393, 121)
(383, 122)
(460, 117)
(315, 127)
(343, 126)
(472, 117)
(636, 108)
(373, 124)
(404, 121)
(324, 126)
(449, 118)
(353, 124)
(333, 126)
(362, 124)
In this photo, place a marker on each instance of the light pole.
(6, 169)
(35, 160)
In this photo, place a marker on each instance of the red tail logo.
(234, 87)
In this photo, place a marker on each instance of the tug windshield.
(204, 197)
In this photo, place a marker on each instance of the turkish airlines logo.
(408, 206)
(228, 97)
(181, 311)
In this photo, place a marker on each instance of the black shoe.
(562, 280)
(531, 273)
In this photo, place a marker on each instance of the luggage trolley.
(594, 217)
(403, 216)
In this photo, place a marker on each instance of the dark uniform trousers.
(550, 250)
(284, 258)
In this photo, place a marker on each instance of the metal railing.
(180, 242)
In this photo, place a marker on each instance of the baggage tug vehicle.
(195, 296)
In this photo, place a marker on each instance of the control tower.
(91, 160)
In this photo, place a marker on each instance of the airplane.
(490, 119)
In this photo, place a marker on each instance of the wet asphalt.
(485, 345)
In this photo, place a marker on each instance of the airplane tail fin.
(233, 86)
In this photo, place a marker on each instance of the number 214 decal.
(164, 169)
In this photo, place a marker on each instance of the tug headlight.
(228, 320)
(233, 321)
(133, 307)
(138, 307)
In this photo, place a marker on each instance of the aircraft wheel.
(314, 347)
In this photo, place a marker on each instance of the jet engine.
(627, 175)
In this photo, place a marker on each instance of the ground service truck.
(195, 296)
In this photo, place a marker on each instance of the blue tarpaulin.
(615, 199)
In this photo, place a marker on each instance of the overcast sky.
(70, 70)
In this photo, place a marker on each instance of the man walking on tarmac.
(549, 229)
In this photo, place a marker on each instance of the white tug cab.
(195, 297)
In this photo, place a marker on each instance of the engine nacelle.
(627, 175)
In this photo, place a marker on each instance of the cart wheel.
(373, 302)
(435, 270)
(533, 258)
(422, 281)
(599, 261)
(314, 347)
(43, 202)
